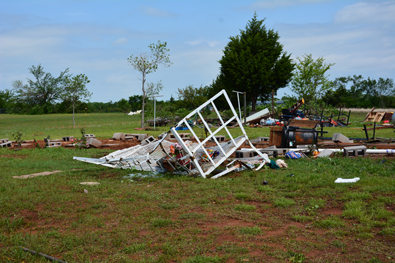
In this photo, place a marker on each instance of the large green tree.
(42, 90)
(7, 99)
(146, 63)
(255, 62)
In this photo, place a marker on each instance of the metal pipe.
(154, 96)
(245, 109)
(43, 255)
(372, 151)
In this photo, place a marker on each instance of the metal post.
(154, 112)
(154, 96)
(238, 101)
(245, 109)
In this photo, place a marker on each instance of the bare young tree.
(146, 63)
(75, 90)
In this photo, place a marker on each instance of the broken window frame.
(211, 136)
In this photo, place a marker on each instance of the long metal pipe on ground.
(373, 151)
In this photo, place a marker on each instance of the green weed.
(169, 205)
(242, 196)
(203, 259)
(330, 222)
(161, 222)
(283, 202)
(245, 207)
(191, 216)
(250, 230)
(296, 257)
(134, 248)
(11, 224)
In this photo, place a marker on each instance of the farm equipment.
(293, 111)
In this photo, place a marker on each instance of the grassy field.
(104, 125)
(301, 215)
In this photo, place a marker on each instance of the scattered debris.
(43, 255)
(36, 174)
(325, 153)
(134, 112)
(5, 143)
(293, 111)
(341, 180)
(93, 142)
(354, 151)
(293, 155)
(256, 117)
(90, 183)
(340, 138)
(118, 136)
(189, 158)
(68, 139)
(281, 163)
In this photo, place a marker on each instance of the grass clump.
(161, 222)
(389, 231)
(98, 206)
(283, 202)
(330, 222)
(295, 257)
(242, 196)
(192, 216)
(9, 225)
(134, 248)
(245, 208)
(354, 209)
(204, 259)
(169, 205)
(250, 230)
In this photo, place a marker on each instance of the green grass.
(173, 218)
(250, 230)
(245, 207)
(104, 125)
(283, 202)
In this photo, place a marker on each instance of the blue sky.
(96, 37)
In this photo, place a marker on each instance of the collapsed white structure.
(195, 158)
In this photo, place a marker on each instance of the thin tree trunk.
(253, 103)
(143, 104)
(73, 116)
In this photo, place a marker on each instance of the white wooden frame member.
(211, 136)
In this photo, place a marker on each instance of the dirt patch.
(227, 223)
(333, 211)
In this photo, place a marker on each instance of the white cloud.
(121, 41)
(362, 50)
(367, 13)
(151, 11)
(211, 43)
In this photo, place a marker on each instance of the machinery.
(293, 111)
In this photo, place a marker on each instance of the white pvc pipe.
(385, 151)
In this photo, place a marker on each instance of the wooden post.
(273, 103)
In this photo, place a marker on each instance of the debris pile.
(185, 153)
(186, 157)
